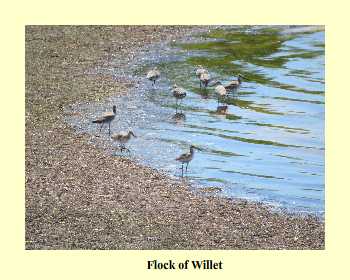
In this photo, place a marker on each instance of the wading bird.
(107, 117)
(179, 93)
(186, 158)
(153, 75)
(235, 83)
(122, 138)
(199, 72)
(220, 90)
(204, 79)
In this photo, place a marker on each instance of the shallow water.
(269, 146)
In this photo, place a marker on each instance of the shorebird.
(235, 83)
(179, 93)
(199, 72)
(186, 158)
(153, 75)
(122, 138)
(107, 117)
(204, 79)
(220, 90)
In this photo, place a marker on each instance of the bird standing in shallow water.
(153, 75)
(235, 83)
(179, 93)
(204, 79)
(186, 158)
(220, 90)
(122, 138)
(199, 72)
(107, 117)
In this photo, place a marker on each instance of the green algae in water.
(223, 56)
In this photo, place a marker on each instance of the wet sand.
(79, 197)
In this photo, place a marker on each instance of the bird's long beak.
(132, 133)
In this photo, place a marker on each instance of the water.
(269, 146)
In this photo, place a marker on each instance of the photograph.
(174, 137)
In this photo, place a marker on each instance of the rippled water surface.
(269, 146)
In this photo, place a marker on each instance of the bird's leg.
(182, 169)
(101, 126)
(109, 128)
(186, 166)
(200, 84)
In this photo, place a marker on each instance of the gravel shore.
(79, 197)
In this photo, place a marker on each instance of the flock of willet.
(179, 93)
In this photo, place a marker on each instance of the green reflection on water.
(232, 51)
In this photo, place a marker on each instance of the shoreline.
(73, 203)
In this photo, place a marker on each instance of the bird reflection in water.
(179, 117)
(222, 109)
